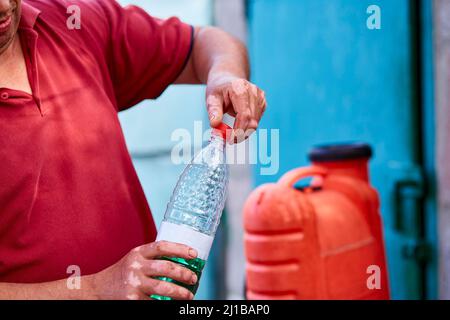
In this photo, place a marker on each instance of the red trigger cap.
(223, 130)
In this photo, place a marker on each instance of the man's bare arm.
(214, 52)
(55, 290)
(131, 278)
(221, 61)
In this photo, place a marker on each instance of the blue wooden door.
(329, 78)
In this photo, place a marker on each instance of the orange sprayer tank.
(323, 241)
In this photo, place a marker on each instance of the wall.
(442, 93)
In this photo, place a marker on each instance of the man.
(69, 194)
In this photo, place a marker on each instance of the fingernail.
(192, 253)
(194, 279)
(231, 137)
(212, 116)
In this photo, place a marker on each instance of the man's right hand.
(132, 277)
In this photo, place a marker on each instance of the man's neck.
(7, 55)
(13, 72)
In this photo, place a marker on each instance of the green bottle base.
(195, 265)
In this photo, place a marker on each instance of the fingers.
(167, 249)
(162, 268)
(240, 100)
(141, 266)
(166, 289)
(249, 103)
(260, 104)
(214, 104)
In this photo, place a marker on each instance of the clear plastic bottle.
(193, 213)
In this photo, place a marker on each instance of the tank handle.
(290, 178)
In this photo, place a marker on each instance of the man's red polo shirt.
(69, 194)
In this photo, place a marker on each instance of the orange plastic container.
(322, 241)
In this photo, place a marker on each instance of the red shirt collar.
(29, 15)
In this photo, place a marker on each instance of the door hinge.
(410, 187)
(419, 251)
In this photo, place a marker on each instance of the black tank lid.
(339, 152)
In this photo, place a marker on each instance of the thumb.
(214, 106)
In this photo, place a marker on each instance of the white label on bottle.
(182, 234)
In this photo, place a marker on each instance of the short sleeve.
(144, 54)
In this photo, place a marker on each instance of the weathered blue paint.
(329, 78)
